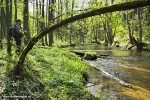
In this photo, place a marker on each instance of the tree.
(129, 28)
(71, 29)
(26, 21)
(117, 7)
(37, 18)
(140, 44)
(2, 21)
(42, 22)
(50, 19)
(15, 2)
(8, 23)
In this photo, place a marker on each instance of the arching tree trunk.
(113, 8)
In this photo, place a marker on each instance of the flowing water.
(130, 66)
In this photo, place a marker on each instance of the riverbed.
(130, 66)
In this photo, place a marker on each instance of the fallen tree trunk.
(103, 10)
(108, 75)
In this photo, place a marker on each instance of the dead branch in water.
(108, 75)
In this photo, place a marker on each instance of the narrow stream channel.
(130, 66)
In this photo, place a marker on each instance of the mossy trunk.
(112, 8)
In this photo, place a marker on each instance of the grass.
(50, 74)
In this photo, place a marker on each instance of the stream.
(130, 66)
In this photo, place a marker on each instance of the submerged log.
(108, 75)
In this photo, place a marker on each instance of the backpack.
(12, 31)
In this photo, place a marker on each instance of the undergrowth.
(50, 74)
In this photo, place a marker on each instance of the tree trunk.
(34, 16)
(109, 33)
(71, 29)
(26, 22)
(41, 21)
(15, 2)
(140, 44)
(105, 32)
(37, 14)
(8, 22)
(92, 29)
(1, 25)
(51, 21)
(82, 33)
(1, 46)
(129, 29)
(46, 20)
(113, 8)
(140, 26)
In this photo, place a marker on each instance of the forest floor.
(50, 73)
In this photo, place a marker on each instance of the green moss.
(90, 56)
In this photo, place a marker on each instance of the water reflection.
(111, 51)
